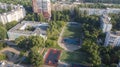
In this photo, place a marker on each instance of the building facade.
(16, 14)
(106, 25)
(42, 6)
(95, 11)
(24, 29)
(112, 38)
(118, 64)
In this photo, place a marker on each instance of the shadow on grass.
(74, 57)
(72, 31)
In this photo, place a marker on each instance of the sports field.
(72, 31)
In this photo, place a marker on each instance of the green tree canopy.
(35, 58)
(29, 42)
(10, 25)
(3, 32)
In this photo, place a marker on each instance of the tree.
(3, 32)
(41, 17)
(35, 58)
(19, 40)
(10, 25)
(3, 57)
(50, 43)
(91, 49)
(36, 41)
(61, 15)
(29, 42)
(2, 45)
(110, 55)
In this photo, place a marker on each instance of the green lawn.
(73, 57)
(72, 32)
(2, 10)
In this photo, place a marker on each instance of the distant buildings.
(28, 28)
(96, 11)
(59, 6)
(112, 38)
(106, 25)
(16, 14)
(42, 6)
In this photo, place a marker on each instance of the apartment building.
(112, 38)
(16, 14)
(118, 64)
(42, 6)
(106, 25)
(28, 28)
(95, 11)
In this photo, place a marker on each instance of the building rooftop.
(117, 33)
(30, 28)
(105, 19)
(13, 8)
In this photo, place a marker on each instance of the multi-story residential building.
(59, 6)
(16, 14)
(42, 6)
(112, 38)
(28, 28)
(118, 64)
(106, 25)
(95, 11)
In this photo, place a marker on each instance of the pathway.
(11, 50)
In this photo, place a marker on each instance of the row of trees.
(3, 32)
(110, 56)
(90, 29)
(61, 15)
(32, 44)
(35, 17)
(54, 32)
(91, 48)
(5, 28)
(27, 43)
(35, 58)
(115, 21)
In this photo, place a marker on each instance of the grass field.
(73, 57)
(73, 32)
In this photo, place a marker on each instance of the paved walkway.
(11, 53)
(60, 39)
(10, 50)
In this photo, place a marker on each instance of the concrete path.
(10, 50)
